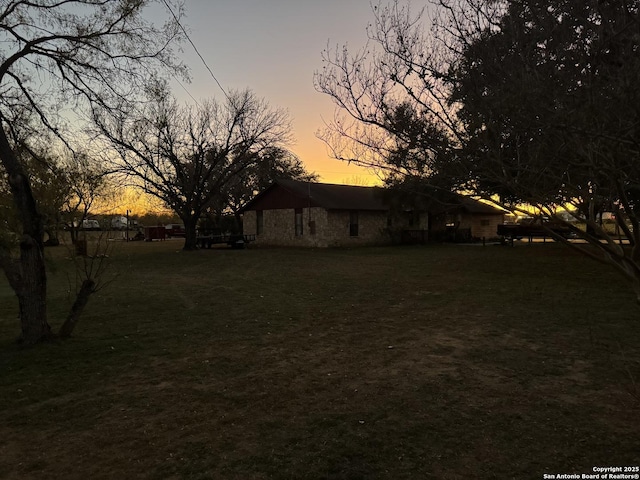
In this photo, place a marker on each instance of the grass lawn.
(444, 362)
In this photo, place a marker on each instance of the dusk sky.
(274, 47)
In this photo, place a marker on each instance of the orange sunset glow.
(274, 48)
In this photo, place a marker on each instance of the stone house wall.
(486, 226)
(372, 228)
(320, 228)
(481, 225)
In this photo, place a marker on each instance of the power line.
(185, 89)
(193, 45)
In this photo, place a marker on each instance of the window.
(259, 222)
(298, 222)
(484, 223)
(353, 223)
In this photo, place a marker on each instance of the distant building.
(461, 219)
(295, 213)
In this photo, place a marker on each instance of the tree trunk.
(73, 231)
(82, 298)
(32, 295)
(190, 240)
(31, 279)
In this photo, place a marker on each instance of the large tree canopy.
(58, 60)
(551, 111)
(516, 101)
(552, 85)
(392, 97)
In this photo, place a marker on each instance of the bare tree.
(393, 112)
(90, 277)
(87, 182)
(73, 54)
(185, 156)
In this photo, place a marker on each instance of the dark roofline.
(257, 197)
(476, 206)
(333, 196)
(329, 195)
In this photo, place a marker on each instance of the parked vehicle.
(154, 233)
(90, 225)
(119, 223)
(174, 230)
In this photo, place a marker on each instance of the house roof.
(474, 206)
(325, 195)
(285, 193)
(441, 201)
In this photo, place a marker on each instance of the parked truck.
(119, 223)
(174, 230)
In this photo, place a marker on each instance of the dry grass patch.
(436, 362)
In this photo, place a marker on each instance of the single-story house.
(296, 213)
(291, 212)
